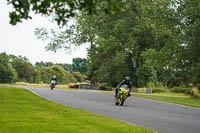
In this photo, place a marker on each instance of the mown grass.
(177, 98)
(23, 112)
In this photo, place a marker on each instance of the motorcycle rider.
(54, 79)
(127, 82)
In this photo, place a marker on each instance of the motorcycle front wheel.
(122, 99)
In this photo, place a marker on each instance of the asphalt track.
(159, 116)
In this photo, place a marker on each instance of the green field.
(177, 98)
(24, 112)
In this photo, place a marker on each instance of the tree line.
(151, 41)
(18, 68)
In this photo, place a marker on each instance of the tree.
(118, 40)
(60, 74)
(37, 78)
(147, 40)
(189, 56)
(79, 65)
(63, 76)
(43, 64)
(61, 11)
(67, 67)
(46, 74)
(23, 67)
(7, 73)
(79, 77)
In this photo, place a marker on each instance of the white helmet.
(127, 78)
(54, 76)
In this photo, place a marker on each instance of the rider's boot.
(129, 94)
(116, 92)
(115, 95)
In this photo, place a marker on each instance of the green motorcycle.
(122, 96)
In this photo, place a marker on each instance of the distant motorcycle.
(53, 84)
(122, 95)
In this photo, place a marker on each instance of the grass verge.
(24, 112)
(172, 98)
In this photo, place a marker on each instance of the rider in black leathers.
(127, 82)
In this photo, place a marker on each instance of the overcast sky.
(20, 39)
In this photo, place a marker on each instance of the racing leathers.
(124, 82)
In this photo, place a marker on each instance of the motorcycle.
(122, 95)
(53, 84)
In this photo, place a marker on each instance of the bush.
(157, 87)
(198, 86)
(63, 77)
(7, 73)
(158, 90)
(70, 77)
(181, 90)
(107, 88)
(195, 93)
(79, 77)
(46, 74)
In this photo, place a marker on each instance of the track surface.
(160, 116)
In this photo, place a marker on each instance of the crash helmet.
(127, 78)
